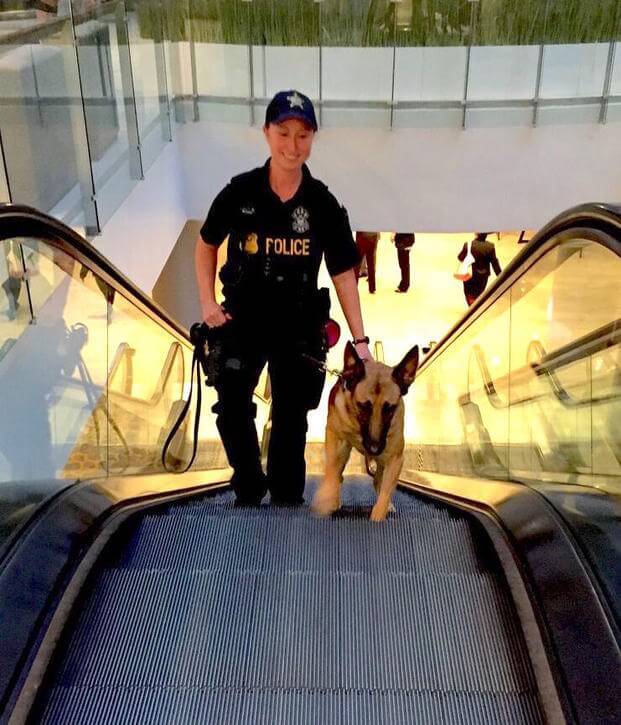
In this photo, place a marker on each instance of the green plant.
(380, 22)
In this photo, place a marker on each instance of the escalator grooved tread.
(276, 616)
(253, 706)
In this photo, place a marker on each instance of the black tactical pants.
(403, 257)
(296, 388)
(367, 249)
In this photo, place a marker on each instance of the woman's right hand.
(214, 315)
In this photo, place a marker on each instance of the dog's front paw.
(380, 510)
(326, 502)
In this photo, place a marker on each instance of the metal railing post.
(162, 79)
(471, 36)
(394, 60)
(81, 141)
(195, 105)
(610, 64)
(250, 66)
(540, 61)
(129, 93)
(320, 59)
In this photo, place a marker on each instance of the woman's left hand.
(363, 352)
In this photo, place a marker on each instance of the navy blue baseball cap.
(291, 104)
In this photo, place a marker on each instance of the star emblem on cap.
(295, 100)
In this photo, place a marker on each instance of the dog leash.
(195, 371)
(322, 365)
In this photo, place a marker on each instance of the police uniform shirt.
(276, 244)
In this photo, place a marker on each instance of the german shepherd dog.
(366, 411)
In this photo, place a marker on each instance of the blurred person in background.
(404, 241)
(485, 259)
(366, 243)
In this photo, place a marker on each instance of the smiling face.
(290, 144)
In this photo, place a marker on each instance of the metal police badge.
(251, 245)
(300, 220)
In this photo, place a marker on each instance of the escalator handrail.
(19, 220)
(601, 339)
(158, 392)
(603, 217)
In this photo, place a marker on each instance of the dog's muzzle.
(373, 448)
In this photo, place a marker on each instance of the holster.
(208, 344)
(317, 312)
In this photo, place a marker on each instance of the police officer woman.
(280, 223)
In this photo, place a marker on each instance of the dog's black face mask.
(374, 444)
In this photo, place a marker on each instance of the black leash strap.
(195, 336)
(195, 366)
(321, 365)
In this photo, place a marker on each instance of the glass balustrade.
(531, 389)
(90, 385)
(84, 106)
(42, 123)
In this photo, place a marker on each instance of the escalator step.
(390, 631)
(357, 497)
(273, 616)
(211, 542)
(283, 707)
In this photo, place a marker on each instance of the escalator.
(210, 615)
(129, 594)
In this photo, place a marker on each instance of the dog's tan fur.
(365, 412)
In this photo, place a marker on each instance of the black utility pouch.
(317, 308)
(322, 315)
(315, 312)
(208, 343)
(322, 305)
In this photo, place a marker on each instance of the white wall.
(432, 179)
(139, 236)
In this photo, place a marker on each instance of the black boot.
(249, 486)
(239, 437)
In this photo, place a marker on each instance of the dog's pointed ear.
(405, 372)
(353, 367)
